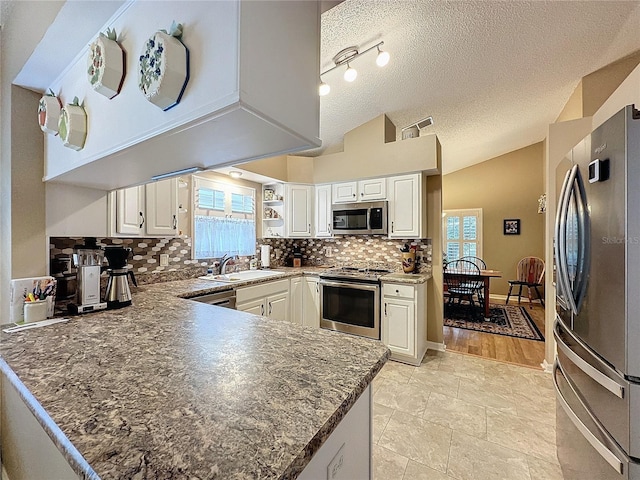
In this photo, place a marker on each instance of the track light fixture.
(345, 57)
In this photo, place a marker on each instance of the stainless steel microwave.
(363, 218)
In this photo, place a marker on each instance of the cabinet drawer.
(398, 291)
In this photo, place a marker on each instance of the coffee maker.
(118, 294)
(88, 260)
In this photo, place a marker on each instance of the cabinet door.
(373, 189)
(277, 306)
(130, 211)
(297, 300)
(345, 192)
(398, 326)
(256, 307)
(323, 211)
(405, 208)
(311, 302)
(299, 210)
(161, 201)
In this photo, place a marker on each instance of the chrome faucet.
(223, 262)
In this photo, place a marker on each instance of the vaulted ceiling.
(493, 74)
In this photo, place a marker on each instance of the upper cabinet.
(407, 209)
(360, 191)
(238, 104)
(299, 211)
(145, 210)
(323, 211)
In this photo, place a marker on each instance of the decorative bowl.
(72, 126)
(106, 66)
(163, 70)
(48, 113)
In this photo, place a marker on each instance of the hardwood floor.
(499, 347)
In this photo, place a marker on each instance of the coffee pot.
(118, 293)
(88, 259)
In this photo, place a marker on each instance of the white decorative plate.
(72, 126)
(48, 113)
(163, 70)
(106, 66)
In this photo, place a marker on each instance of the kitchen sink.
(242, 276)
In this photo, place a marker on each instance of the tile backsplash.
(362, 250)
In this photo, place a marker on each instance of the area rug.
(509, 320)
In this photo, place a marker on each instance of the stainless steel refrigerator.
(597, 327)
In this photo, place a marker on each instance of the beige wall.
(594, 89)
(507, 186)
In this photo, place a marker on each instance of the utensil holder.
(408, 262)
(35, 311)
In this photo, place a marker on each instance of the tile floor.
(462, 417)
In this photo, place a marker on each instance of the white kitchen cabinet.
(161, 205)
(145, 210)
(345, 192)
(323, 212)
(404, 321)
(297, 299)
(372, 189)
(130, 211)
(269, 299)
(407, 211)
(360, 191)
(311, 301)
(305, 301)
(299, 216)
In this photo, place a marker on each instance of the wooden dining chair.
(459, 286)
(480, 263)
(530, 272)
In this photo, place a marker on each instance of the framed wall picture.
(511, 226)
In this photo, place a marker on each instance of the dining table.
(485, 277)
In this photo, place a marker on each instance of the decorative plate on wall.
(163, 68)
(72, 125)
(106, 65)
(49, 112)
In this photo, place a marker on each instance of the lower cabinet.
(404, 321)
(269, 299)
(305, 301)
(311, 302)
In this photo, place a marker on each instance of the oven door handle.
(353, 285)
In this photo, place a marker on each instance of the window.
(463, 233)
(224, 219)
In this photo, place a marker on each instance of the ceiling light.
(346, 56)
(235, 174)
(383, 58)
(350, 74)
(324, 89)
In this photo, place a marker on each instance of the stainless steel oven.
(350, 301)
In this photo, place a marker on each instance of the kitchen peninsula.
(172, 388)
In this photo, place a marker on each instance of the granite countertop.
(408, 278)
(172, 388)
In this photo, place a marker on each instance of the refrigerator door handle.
(584, 248)
(610, 457)
(605, 381)
(561, 238)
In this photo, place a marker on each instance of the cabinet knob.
(362, 194)
(354, 194)
(397, 291)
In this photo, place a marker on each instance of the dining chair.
(477, 260)
(530, 272)
(459, 286)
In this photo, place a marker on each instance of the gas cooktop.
(355, 273)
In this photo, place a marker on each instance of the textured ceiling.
(493, 74)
